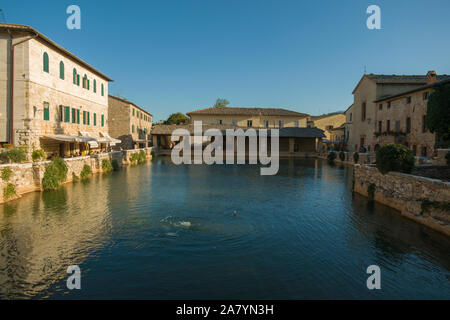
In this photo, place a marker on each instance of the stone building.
(401, 118)
(348, 127)
(250, 117)
(327, 122)
(49, 98)
(364, 110)
(129, 123)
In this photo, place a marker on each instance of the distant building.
(364, 111)
(401, 118)
(250, 117)
(348, 128)
(129, 123)
(49, 97)
(327, 122)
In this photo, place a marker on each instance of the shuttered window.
(74, 76)
(84, 117)
(66, 114)
(61, 70)
(45, 62)
(46, 111)
(102, 90)
(78, 116)
(95, 86)
(103, 120)
(95, 119)
(88, 118)
(74, 115)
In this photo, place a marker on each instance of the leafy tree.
(395, 157)
(177, 118)
(221, 103)
(438, 114)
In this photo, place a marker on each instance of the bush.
(447, 157)
(38, 155)
(55, 174)
(16, 155)
(6, 173)
(331, 156)
(355, 157)
(85, 172)
(394, 157)
(9, 191)
(74, 177)
(138, 158)
(115, 165)
(106, 165)
(342, 155)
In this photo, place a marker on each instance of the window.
(85, 82)
(103, 120)
(397, 126)
(249, 123)
(408, 125)
(78, 79)
(88, 118)
(388, 125)
(363, 111)
(234, 122)
(296, 124)
(408, 100)
(78, 116)
(88, 84)
(61, 70)
(389, 105)
(74, 76)
(132, 128)
(266, 123)
(133, 112)
(425, 96)
(380, 106)
(380, 126)
(84, 117)
(424, 123)
(424, 151)
(95, 86)
(61, 113)
(351, 116)
(66, 114)
(102, 90)
(95, 119)
(219, 121)
(45, 60)
(74, 115)
(46, 111)
(280, 124)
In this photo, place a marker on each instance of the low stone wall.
(364, 158)
(27, 177)
(422, 199)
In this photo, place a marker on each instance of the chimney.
(431, 77)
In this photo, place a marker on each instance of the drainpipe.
(11, 117)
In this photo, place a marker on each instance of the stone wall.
(422, 199)
(27, 177)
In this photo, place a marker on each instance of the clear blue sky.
(169, 56)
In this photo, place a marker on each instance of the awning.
(66, 138)
(111, 141)
(94, 141)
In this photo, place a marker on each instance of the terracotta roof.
(129, 102)
(24, 28)
(284, 132)
(428, 86)
(247, 111)
(399, 79)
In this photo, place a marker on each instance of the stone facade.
(327, 123)
(54, 93)
(422, 199)
(129, 123)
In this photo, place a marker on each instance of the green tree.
(438, 114)
(177, 118)
(221, 103)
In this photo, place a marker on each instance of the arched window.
(61, 70)
(45, 58)
(95, 86)
(102, 90)
(85, 81)
(74, 76)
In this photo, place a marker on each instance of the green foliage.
(371, 191)
(447, 157)
(331, 156)
(75, 177)
(342, 155)
(9, 191)
(355, 157)
(55, 174)
(38, 155)
(107, 166)
(177, 118)
(16, 155)
(6, 173)
(438, 114)
(394, 157)
(221, 103)
(138, 158)
(85, 172)
(115, 165)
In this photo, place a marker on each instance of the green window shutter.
(95, 119)
(74, 115)
(102, 90)
(46, 111)
(88, 84)
(78, 116)
(84, 117)
(61, 70)
(133, 112)
(132, 128)
(95, 86)
(66, 114)
(74, 76)
(45, 58)
(103, 120)
(88, 118)
(78, 79)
